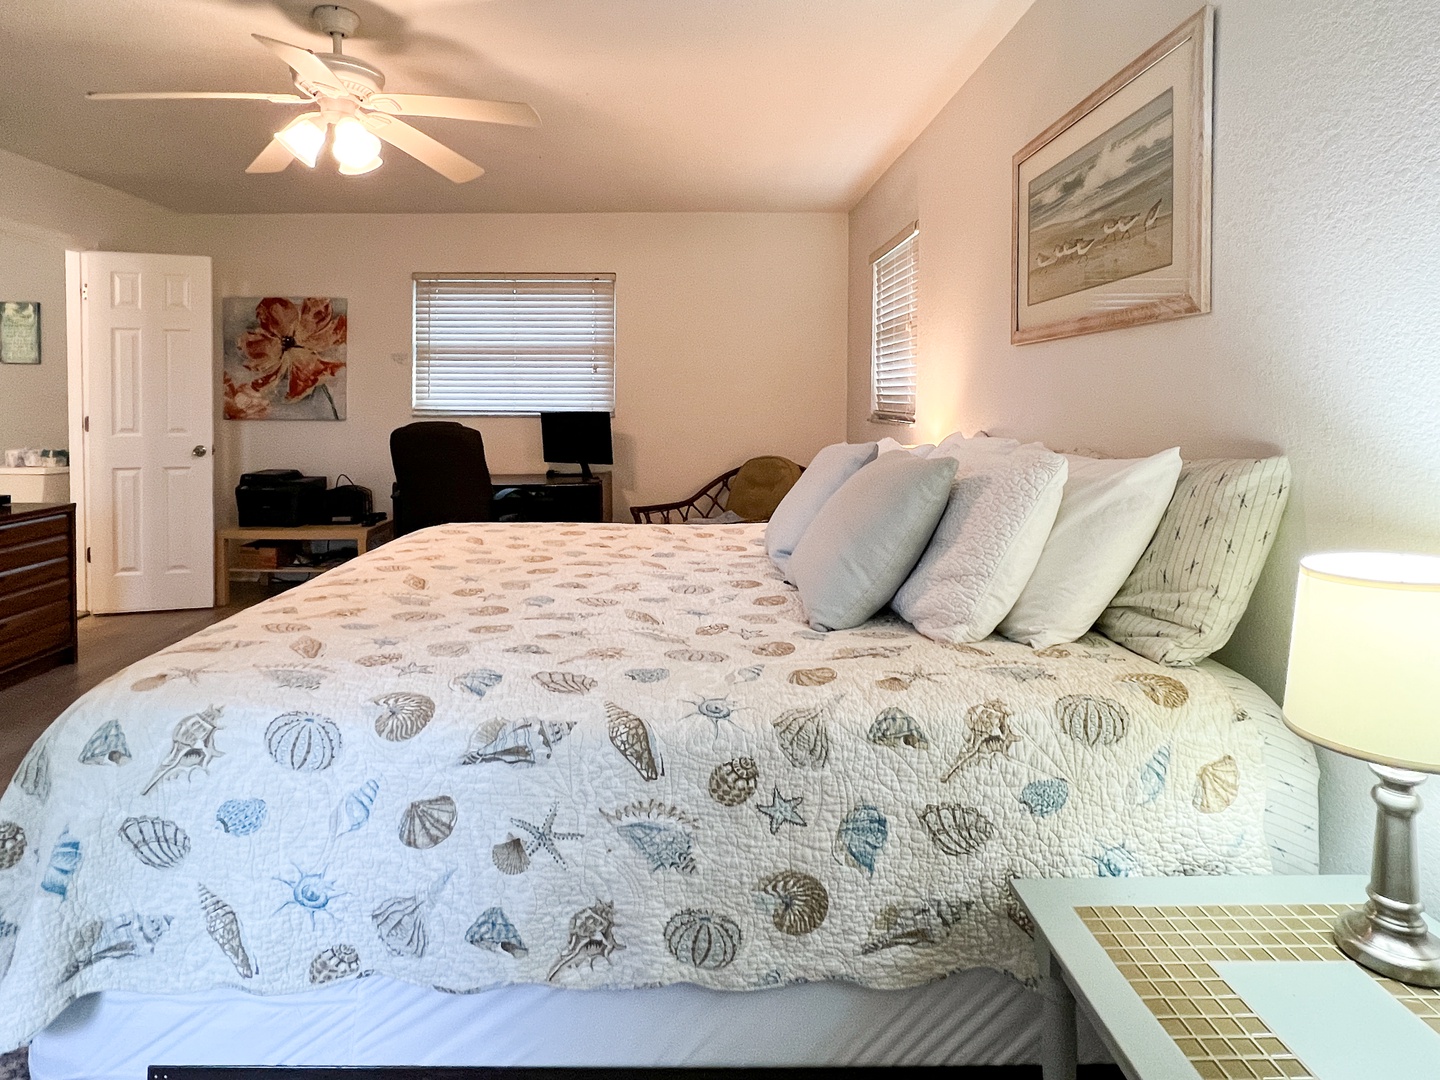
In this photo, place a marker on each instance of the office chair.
(440, 475)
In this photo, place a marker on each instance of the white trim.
(75, 387)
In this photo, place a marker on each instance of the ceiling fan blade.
(450, 108)
(199, 95)
(305, 64)
(422, 147)
(274, 158)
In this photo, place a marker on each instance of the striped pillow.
(1187, 593)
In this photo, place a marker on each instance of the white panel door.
(149, 431)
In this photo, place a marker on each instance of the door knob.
(199, 451)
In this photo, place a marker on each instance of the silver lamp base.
(1389, 935)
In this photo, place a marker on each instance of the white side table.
(1221, 977)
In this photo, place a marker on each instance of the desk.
(364, 537)
(540, 497)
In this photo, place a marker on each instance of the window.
(514, 344)
(895, 333)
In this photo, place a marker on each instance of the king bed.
(535, 794)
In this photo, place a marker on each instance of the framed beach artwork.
(1112, 201)
(284, 357)
(19, 332)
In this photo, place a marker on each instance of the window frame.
(888, 363)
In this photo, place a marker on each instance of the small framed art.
(1112, 201)
(19, 332)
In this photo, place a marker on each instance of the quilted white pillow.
(1002, 503)
(1108, 513)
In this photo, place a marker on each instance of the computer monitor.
(579, 437)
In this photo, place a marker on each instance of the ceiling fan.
(351, 109)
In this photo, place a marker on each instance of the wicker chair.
(775, 475)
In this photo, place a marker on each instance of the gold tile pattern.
(1166, 954)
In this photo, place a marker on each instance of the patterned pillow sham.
(1187, 593)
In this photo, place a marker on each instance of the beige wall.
(1322, 342)
(730, 338)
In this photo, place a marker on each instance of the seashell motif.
(106, 745)
(224, 928)
(416, 616)
(816, 676)
(307, 647)
(895, 727)
(643, 617)
(405, 715)
(631, 737)
(697, 656)
(661, 834)
(448, 648)
(492, 628)
(596, 601)
(286, 627)
(302, 741)
(564, 682)
(528, 649)
(192, 746)
(866, 652)
(769, 601)
(691, 589)
(1161, 689)
(987, 732)
(414, 581)
(1016, 910)
(64, 861)
(1216, 785)
(702, 939)
(132, 934)
(648, 674)
(1019, 672)
(803, 735)
(860, 838)
(33, 775)
(1094, 721)
(296, 678)
(1115, 861)
(1045, 797)
(335, 963)
(1149, 783)
(711, 629)
(510, 856)
(150, 682)
(380, 659)
(156, 842)
(478, 681)
(955, 829)
(798, 903)
(241, 817)
(353, 811)
(493, 931)
(733, 782)
(427, 822)
(774, 648)
(746, 674)
(12, 844)
(592, 936)
(1053, 652)
(743, 583)
(915, 926)
(489, 611)
(516, 742)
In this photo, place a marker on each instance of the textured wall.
(1323, 338)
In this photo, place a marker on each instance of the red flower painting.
(284, 358)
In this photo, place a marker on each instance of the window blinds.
(896, 330)
(512, 344)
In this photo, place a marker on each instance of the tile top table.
(1220, 978)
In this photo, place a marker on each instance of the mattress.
(564, 736)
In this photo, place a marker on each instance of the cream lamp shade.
(1364, 673)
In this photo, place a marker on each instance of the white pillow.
(830, 468)
(1108, 513)
(922, 450)
(1002, 504)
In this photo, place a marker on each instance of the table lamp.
(1364, 680)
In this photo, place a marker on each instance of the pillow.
(866, 538)
(921, 450)
(1002, 504)
(1186, 595)
(831, 467)
(1108, 513)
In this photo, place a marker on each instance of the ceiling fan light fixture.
(360, 170)
(354, 147)
(303, 137)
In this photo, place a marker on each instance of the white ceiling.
(645, 105)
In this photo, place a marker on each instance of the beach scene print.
(1105, 213)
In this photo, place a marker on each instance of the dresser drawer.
(27, 531)
(34, 599)
(33, 645)
(23, 625)
(36, 551)
(31, 575)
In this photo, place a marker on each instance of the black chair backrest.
(440, 475)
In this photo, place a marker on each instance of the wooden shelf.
(364, 537)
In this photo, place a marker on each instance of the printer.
(281, 497)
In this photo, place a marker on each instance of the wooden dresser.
(37, 589)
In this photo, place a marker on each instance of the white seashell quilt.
(595, 755)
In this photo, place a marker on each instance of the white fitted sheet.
(974, 1017)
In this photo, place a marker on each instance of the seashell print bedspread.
(594, 755)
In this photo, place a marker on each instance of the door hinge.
(85, 424)
(87, 554)
(85, 291)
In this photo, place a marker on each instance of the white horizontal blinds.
(508, 344)
(896, 329)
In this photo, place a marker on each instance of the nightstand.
(1221, 977)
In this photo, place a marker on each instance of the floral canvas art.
(284, 357)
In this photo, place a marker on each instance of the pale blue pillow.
(867, 537)
(830, 468)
